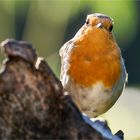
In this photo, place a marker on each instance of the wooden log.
(32, 102)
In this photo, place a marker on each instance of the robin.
(92, 68)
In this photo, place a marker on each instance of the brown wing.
(64, 54)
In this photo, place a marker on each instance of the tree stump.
(32, 102)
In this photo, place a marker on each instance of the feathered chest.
(95, 58)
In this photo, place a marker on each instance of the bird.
(93, 72)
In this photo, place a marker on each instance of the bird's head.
(99, 21)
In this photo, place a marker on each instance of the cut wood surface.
(32, 102)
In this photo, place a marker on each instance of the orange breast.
(95, 58)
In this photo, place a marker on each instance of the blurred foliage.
(48, 24)
(125, 114)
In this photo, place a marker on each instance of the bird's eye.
(110, 28)
(87, 22)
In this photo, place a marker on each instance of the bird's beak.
(99, 25)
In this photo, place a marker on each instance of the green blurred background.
(48, 24)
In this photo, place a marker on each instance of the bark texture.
(32, 102)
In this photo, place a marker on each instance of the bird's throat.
(96, 58)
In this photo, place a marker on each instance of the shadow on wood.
(32, 103)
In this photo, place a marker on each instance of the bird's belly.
(92, 101)
(97, 99)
